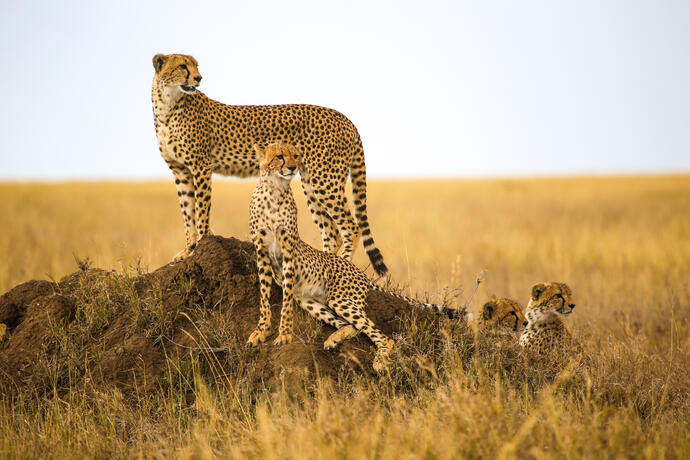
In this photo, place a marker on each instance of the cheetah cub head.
(177, 72)
(550, 300)
(278, 161)
(502, 315)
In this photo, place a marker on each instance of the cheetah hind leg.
(340, 215)
(329, 232)
(344, 331)
(355, 310)
(339, 336)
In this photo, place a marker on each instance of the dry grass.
(623, 244)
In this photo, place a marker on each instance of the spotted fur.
(198, 136)
(545, 331)
(330, 288)
(504, 315)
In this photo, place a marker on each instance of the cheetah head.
(177, 72)
(550, 299)
(503, 314)
(278, 160)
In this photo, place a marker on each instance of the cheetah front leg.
(202, 202)
(184, 183)
(287, 245)
(263, 262)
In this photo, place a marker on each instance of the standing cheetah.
(545, 330)
(198, 136)
(330, 288)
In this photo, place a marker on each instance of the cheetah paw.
(282, 339)
(183, 254)
(381, 361)
(257, 337)
(339, 336)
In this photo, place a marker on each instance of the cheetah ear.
(159, 61)
(260, 153)
(537, 289)
(488, 311)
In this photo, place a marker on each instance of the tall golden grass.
(621, 243)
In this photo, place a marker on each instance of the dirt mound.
(148, 330)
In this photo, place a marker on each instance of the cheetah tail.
(452, 313)
(358, 176)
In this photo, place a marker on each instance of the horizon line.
(518, 176)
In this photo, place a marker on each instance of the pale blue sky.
(436, 89)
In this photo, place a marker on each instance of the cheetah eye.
(183, 66)
(280, 157)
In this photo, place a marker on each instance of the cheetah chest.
(167, 143)
(275, 253)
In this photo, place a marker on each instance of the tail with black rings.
(452, 313)
(358, 175)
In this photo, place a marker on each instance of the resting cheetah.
(502, 315)
(545, 330)
(198, 136)
(330, 288)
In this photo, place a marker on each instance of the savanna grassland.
(621, 243)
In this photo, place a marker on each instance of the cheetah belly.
(231, 162)
(311, 282)
(307, 286)
(235, 168)
(311, 289)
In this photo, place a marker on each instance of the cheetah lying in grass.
(545, 331)
(329, 287)
(502, 315)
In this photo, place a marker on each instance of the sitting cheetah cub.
(329, 287)
(545, 330)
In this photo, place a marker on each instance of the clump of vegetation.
(622, 244)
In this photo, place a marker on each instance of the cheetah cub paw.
(183, 254)
(339, 336)
(382, 360)
(257, 337)
(283, 339)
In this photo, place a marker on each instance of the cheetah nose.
(292, 168)
(197, 78)
(572, 305)
(525, 323)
